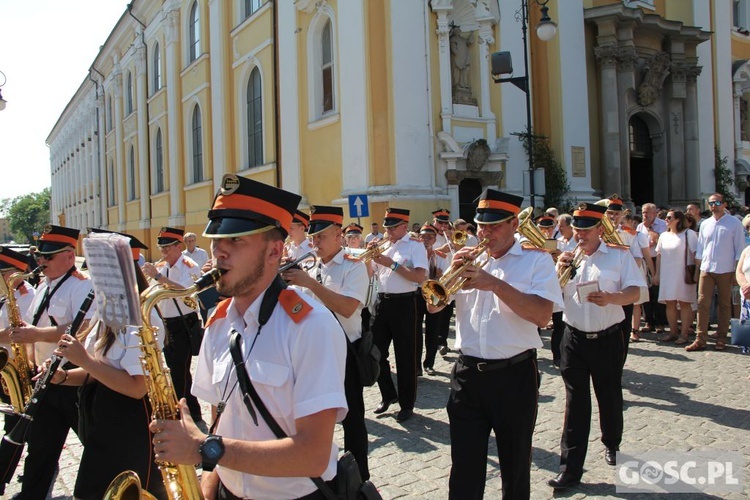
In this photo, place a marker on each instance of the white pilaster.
(289, 99)
(219, 87)
(702, 16)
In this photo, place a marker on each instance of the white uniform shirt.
(297, 251)
(297, 370)
(371, 236)
(566, 246)
(125, 353)
(198, 255)
(346, 276)
(405, 252)
(440, 240)
(24, 295)
(63, 306)
(184, 272)
(720, 244)
(485, 326)
(614, 269)
(631, 241)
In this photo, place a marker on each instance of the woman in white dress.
(670, 275)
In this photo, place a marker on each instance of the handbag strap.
(249, 392)
(686, 248)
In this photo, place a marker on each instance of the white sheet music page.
(110, 264)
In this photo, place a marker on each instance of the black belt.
(596, 335)
(396, 295)
(488, 365)
(180, 318)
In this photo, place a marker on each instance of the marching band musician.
(353, 237)
(340, 282)
(441, 220)
(113, 400)
(400, 268)
(565, 243)
(296, 364)
(179, 271)
(606, 279)
(494, 383)
(57, 301)
(298, 243)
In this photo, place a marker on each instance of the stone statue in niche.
(461, 67)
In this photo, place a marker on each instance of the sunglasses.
(669, 217)
(715, 203)
(51, 256)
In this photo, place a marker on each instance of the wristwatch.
(394, 266)
(211, 450)
(158, 276)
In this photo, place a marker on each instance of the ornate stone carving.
(607, 56)
(679, 72)
(626, 58)
(307, 6)
(656, 70)
(477, 154)
(461, 67)
(692, 73)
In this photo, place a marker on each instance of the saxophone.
(181, 481)
(16, 372)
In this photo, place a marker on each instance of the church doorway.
(641, 162)
(468, 191)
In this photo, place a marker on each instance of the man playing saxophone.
(58, 300)
(494, 383)
(294, 355)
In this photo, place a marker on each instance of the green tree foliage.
(27, 213)
(556, 185)
(724, 178)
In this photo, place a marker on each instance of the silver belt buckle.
(592, 336)
(481, 366)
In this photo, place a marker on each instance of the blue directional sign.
(358, 205)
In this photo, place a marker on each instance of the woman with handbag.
(675, 275)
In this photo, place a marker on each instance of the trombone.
(373, 252)
(438, 292)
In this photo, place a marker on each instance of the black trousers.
(15, 456)
(558, 328)
(355, 430)
(436, 329)
(396, 320)
(178, 357)
(626, 326)
(504, 401)
(599, 361)
(46, 438)
(655, 313)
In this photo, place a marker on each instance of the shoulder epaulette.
(628, 230)
(80, 275)
(534, 248)
(219, 312)
(351, 257)
(619, 247)
(188, 263)
(161, 263)
(442, 255)
(294, 305)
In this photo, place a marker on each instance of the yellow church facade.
(395, 100)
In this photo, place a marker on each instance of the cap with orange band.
(301, 217)
(615, 204)
(243, 206)
(442, 215)
(169, 236)
(55, 239)
(10, 259)
(495, 206)
(395, 216)
(321, 218)
(135, 244)
(587, 216)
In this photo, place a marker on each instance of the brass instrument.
(438, 292)
(126, 485)
(374, 251)
(181, 481)
(566, 273)
(16, 373)
(459, 237)
(298, 263)
(527, 228)
(610, 235)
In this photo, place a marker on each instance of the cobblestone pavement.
(674, 400)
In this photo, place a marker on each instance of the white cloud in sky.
(46, 49)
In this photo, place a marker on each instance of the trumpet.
(374, 251)
(568, 272)
(438, 292)
(298, 263)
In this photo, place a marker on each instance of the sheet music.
(110, 264)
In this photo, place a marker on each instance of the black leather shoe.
(404, 415)
(384, 405)
(610, 455)
(563, 480)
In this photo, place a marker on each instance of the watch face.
(212, 449)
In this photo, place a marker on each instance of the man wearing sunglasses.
(721, 239)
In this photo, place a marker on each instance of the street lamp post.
(502, 65)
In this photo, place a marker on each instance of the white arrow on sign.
(358, 203)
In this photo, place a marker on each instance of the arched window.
(129, 95)
(326, 68)
(156, 71)
(195, 33)
(251, 6)
(255, 119)
(197, 146)
(109, 113)
(159, 163)
(111, 184)
(131, 165)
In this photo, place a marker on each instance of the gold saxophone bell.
(374, 251)
(127, 485)
(610, 235)
(438, 292)
(531, 231)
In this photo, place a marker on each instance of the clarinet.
(17, 435)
